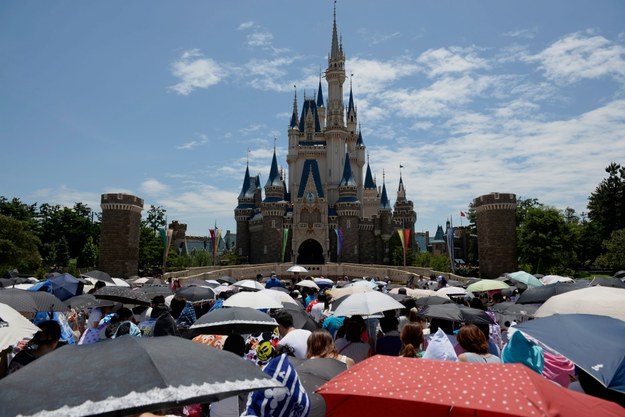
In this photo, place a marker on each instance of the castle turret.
(243, 213)
(320, 106)
(404, 215)
(352, 118)
(273, 210)
(370, 200)
(348, 210)
(335, 75)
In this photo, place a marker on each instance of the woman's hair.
(50, 333)
(411, 338)
(353, 328)
(235, 343)
(177, 304)
(320, 344)
(472, 339)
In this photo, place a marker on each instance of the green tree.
(614, 256)
(606, 205)
(62, 253)
(18, 210)
(88, 257)
(18, 246)
(156, 218)
(150, 252)
(546, 241)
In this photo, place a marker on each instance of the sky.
(163, 99)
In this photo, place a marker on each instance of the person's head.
(99, 284)
(388, 323)
(236, 344)
(497, 298)
(320, 344)
(177, 304)
(354, 327)
(472, 339)
(445, 325)
(125, 314)
(411, 339)
(477, 303)
(259, 277)
(402, 291)
(284, 320)
(48, 336)
(157, 300)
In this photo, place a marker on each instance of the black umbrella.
(154, 281)
(153, 290)
(456, 312)
(83, 301)
(234, 320)
(284, 290)
(619, 274)
(301, 319)
(195, 293)
(513, 309)
(197, 282)
(129, 374)
(432, 300)
(20, 300)
(313, 373)
(538, 295)
(99, 275)
(46, 302)
(607, 282)
(9, 282)
(123, 295)
(226, 279)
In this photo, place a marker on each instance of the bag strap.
(345, 347)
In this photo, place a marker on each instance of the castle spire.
(385, 203)
(274, 173)
(350, 105)
(335, 52)
(294, 121)
(319, 93)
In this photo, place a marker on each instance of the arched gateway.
(310, 252)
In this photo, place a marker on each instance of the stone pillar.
(119, 234)
(496, 234)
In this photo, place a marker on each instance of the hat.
(520, 350)
(273, 273)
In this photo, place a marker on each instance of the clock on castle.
(329, 211)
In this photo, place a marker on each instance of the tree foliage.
(613, 257)
(18, 245)
(606, 205)
(155, 218)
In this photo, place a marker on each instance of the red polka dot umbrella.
(391, 386)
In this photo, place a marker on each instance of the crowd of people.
(348, 340)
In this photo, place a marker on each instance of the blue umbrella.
(525, 278)
(595, 344)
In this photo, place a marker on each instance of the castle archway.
(310, 252)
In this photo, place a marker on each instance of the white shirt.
(298, 340)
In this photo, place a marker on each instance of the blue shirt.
(273, 282)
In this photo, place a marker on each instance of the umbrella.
(281, 296)
(341, 292)
(120, 282)
(195, 294)
(253, 300)
(80, 302)
(154, 281)
(432, 300)
(141, 280)
(99, 275)
(130, 374)
(226, 279)
(569, 335)
(366, 304)
(607, 282)
(447, 291)
(14, 327)
(487, 285)
(301, 319)
(297, 268)
(308, 283)
(153, 290)
(249, 284)
(20, 300)
(537, 295)
(324, 282)
(385, 385)
(525, 278)
(239, 320)
(123, 295)
(514, 309)
(65, 286)
(619, 274)
(456, 312)
(9, 282)
(364, 283)
(552, 279)
(313, 373)
(601, 301)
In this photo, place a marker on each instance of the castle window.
(273, 224)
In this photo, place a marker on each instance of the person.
(520, 350)
(475, 345)
(44, 342)
(165, 324)
(290, 336)
(230, 406)
(273, 281)
(389, 343)
(122, 323)
(259, 277)
(411, 338)
(320, 308)
(351, 345)
(182, 311)
(321, 345)
(97, 286)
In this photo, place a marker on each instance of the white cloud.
(375, 38)
(259, 39)
(581, 55)
(246, 25)
(202, 140)
(372, 76)
(452, 60)
(522, 33)
(153, 187)
(68, 197)
(195, 71)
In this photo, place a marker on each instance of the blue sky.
(162, 99)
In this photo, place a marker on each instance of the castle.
(329, 211)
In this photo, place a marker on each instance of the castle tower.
(496, 233)
(348, 211)
(119, 234)
(370, 199)
(243, 213)
(404, 215)
(273, 209)
(385, 225)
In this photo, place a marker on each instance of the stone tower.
(496, 233)
(119, 234)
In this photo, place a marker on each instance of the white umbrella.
(279, 296)
(252, 299)
(418, 293)
(600, 301)
(308, 284)
(367, 304)
(552, 279)
(451, 291)
(364, 283)
(249, 284)
(120, 282)
(340, 292)
(142, 280)
(297, 268)
(14, 327)
(324, 281)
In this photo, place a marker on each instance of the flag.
(462, 214)
(406, 240)
(166, 237)
(339, 241)
(450, 248)
(285, 237)
(401, 237)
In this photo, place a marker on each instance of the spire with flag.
(215, 235)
